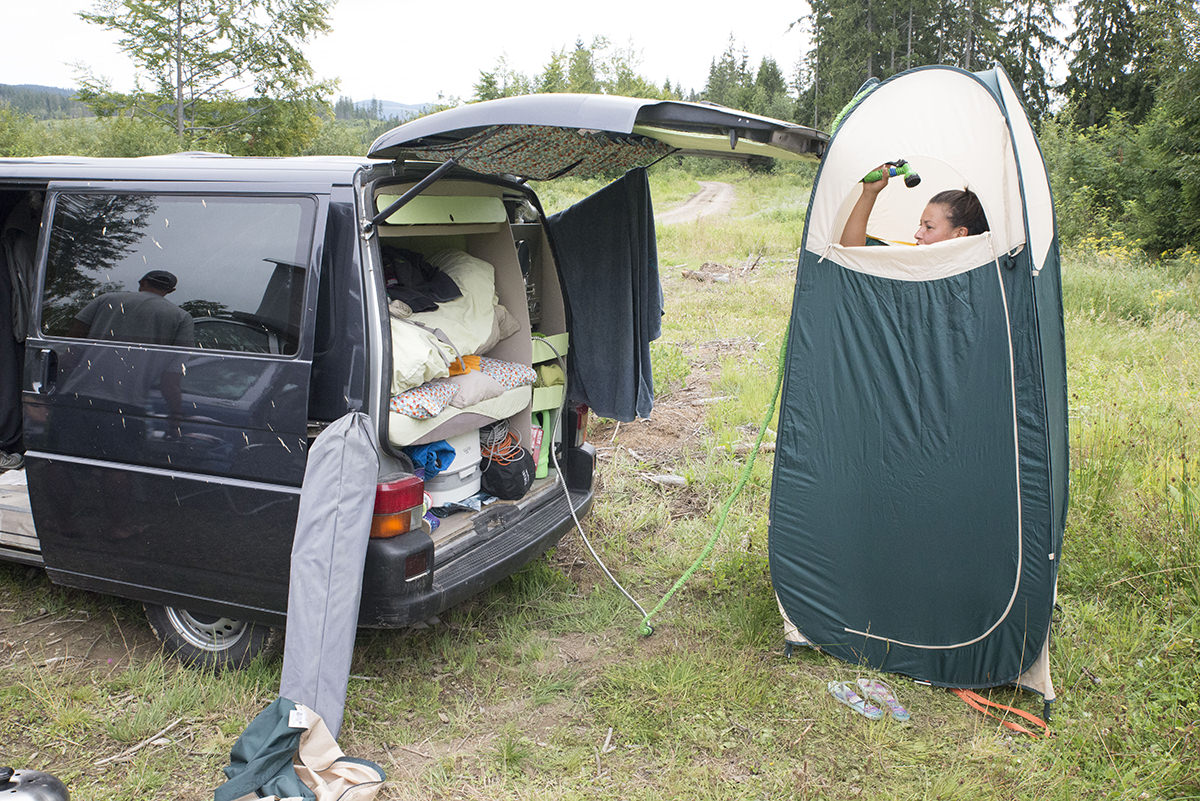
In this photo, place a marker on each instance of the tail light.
(399, 506)
(581, 421)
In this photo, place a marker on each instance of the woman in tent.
(948, 215)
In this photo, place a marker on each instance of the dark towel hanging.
(608, 262)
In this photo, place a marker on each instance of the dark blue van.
(189, 323)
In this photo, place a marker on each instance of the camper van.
(189, 324)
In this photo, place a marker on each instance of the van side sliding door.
(166, 386)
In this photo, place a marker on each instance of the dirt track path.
(714, 197)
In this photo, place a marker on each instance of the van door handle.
(46, 374)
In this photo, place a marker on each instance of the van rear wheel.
(209, 641)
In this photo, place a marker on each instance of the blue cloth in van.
(433, 458)
(608, 263)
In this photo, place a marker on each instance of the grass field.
(542, 687)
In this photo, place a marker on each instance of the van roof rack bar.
(413, 191)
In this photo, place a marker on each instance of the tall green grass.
(516, 694)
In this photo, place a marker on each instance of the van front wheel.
(209, 641)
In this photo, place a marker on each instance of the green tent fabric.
(919, 493)
(288, 752)
(260, 762)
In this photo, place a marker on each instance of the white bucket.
(461, 479)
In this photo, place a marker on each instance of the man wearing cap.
(143, 316)
(146, 317)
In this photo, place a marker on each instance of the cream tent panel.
(966, 143)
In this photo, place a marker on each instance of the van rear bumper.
(500, 545)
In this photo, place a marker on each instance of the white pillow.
(504, 325)
(474, 387)
(466, 321)
(417, 356)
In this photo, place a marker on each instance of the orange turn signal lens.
(393, 525)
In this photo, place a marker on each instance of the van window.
(235, 265)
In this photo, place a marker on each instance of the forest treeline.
(1111, 86)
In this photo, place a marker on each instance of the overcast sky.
(409, 52)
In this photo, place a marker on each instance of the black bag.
(508, 480)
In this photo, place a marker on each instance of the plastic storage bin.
(461, 479)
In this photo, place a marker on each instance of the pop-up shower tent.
(920, 484)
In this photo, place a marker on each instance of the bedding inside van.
(425, 344)
(429, 346)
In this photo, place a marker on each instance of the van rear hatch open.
(540, 137)
(416, 208)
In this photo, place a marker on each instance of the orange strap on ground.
(977, 701)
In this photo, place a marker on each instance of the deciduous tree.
(214, 69)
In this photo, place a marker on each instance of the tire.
(201, 640)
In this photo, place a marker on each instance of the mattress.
(404, 430)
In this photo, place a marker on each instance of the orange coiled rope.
(500, 445)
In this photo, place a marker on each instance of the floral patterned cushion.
(428, 400)
(425, 401)
(509, 375)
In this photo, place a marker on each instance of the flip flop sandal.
(880, 693)
(844, 693)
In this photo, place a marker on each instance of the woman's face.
(935, 225)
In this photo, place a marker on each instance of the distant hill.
(53, 102)
(375, 110)
(390, 108)
(43, 102)
(35, 87)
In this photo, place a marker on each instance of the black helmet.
(31, 785)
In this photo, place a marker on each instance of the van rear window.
(209, 272)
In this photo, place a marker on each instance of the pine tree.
(729, 80)
(581, 68)
(618, 69)
(1167, 214)
(1027, 51)
(1102, 79)
(487, 87)
(854, 41)
(770, 91)
(503, 81)
(847, 39)
(554, 77)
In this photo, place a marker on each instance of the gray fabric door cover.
(332, 529)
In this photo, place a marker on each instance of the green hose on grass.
(646, 629)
